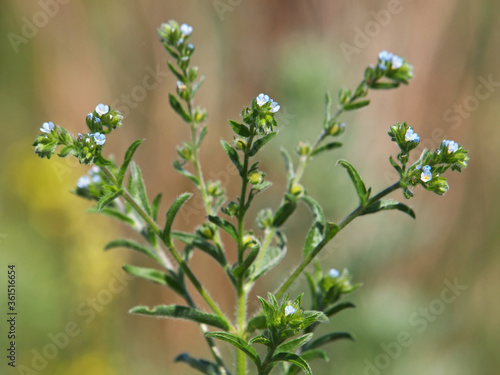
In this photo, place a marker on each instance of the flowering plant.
(283, 326)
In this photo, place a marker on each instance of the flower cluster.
(390, 66)
(103, 120)
(174, 38)
(90, 185)
(261, 114)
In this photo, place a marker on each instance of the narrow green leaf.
(202, 135)
(308, 356)
(294, 344)
(338, 308)
(176, 73)
(294, 359)
(272, 257)
(315, 234)
(326, 147)
(239, 129)
(285, 210)
(202, 365)
(134, 246)
(388, 205)
(356, 180)
(325, 339)
(155, 206)
(127, 159)
(224, 224)
(257, 322)
(247, 262)
(211, 250)
(65, 151)
(172, 212)
(238, 343)
(197, 86)
(261, 142)
(384, 85)
(177, 107)
(261, 339)
(331, 231)
(101, 161)
(182, 312)
(233, 155)
(156, 277)
(356, 105)
(178, 167)
(112, 212)
(107, 199)
(139, 188)
(290, 173)
(187, 238)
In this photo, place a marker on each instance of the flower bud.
(250, 242)
(193, 73)
(185, 151)
(200, 115)
(297, 190)
(265, 219)
(256, 178)
(232, 208)
(303, 148)
(240, 143)
(206, 230)
(214, 189)
(335, 129)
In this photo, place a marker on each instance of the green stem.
(354, 214)
(152, 223)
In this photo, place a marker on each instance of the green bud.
(231, 209)
(185, 151)
(200, 115)
(256, 178)
(335, 129)
(193, 73)
(265, 218)
(214, 188)
(297, 190)
(303, 148)
(206, 230)
(240, 144)
(250, 241)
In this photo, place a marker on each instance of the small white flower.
(289, 310)
(186, 29)
(90, 116)
(102, 109)
(47, 127)
(94, 170)
(385, 56)
(333, 273)
(452, 146)
(96, 179)
(396, 62)
(99, 138)
(426, 175)
(181, 86)
(262, 99)
(274, 106)
(83, 182)
(411, 136)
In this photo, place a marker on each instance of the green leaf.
(326, 147)
(294, 359)
(315, 234)
(257, 322)
(239, 129)
(356, 180)
(308, 356)
(294, 344)
(233, 155)
(261, 142)
(329, 337)
(331, 231)
(66, 151)
(182, 171)
(126, 161)
(388, 205)
(182, 312)
(155, 206)
(176, 73)
(134, 246)
(172, 212)
(187, 238)
(238, 343)
(138, 187)
(224, 224)
(285, 210)
(202, 135)
(290, 173)
(247, 262)
(107, 199)
(384, 85)
(338, 308)
(356, 105)
(177, 107)
(156, 277)
(101, 161)
(272, 257)
(202, 365)
(261, 339)
(113, 212)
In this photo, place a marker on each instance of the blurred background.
(58, 59)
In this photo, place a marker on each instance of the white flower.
(47, 127)
(83, 182)
(186, 29)
(274, 106)
(99, 138)
(411, 136)
(333, 273)
(451, 145)
(181, 86)
(96, 179)
(426, 175)
(289, 310)
(102, 109)
(385, 56)
(262, 99)
(397, 62)
(94, 170)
